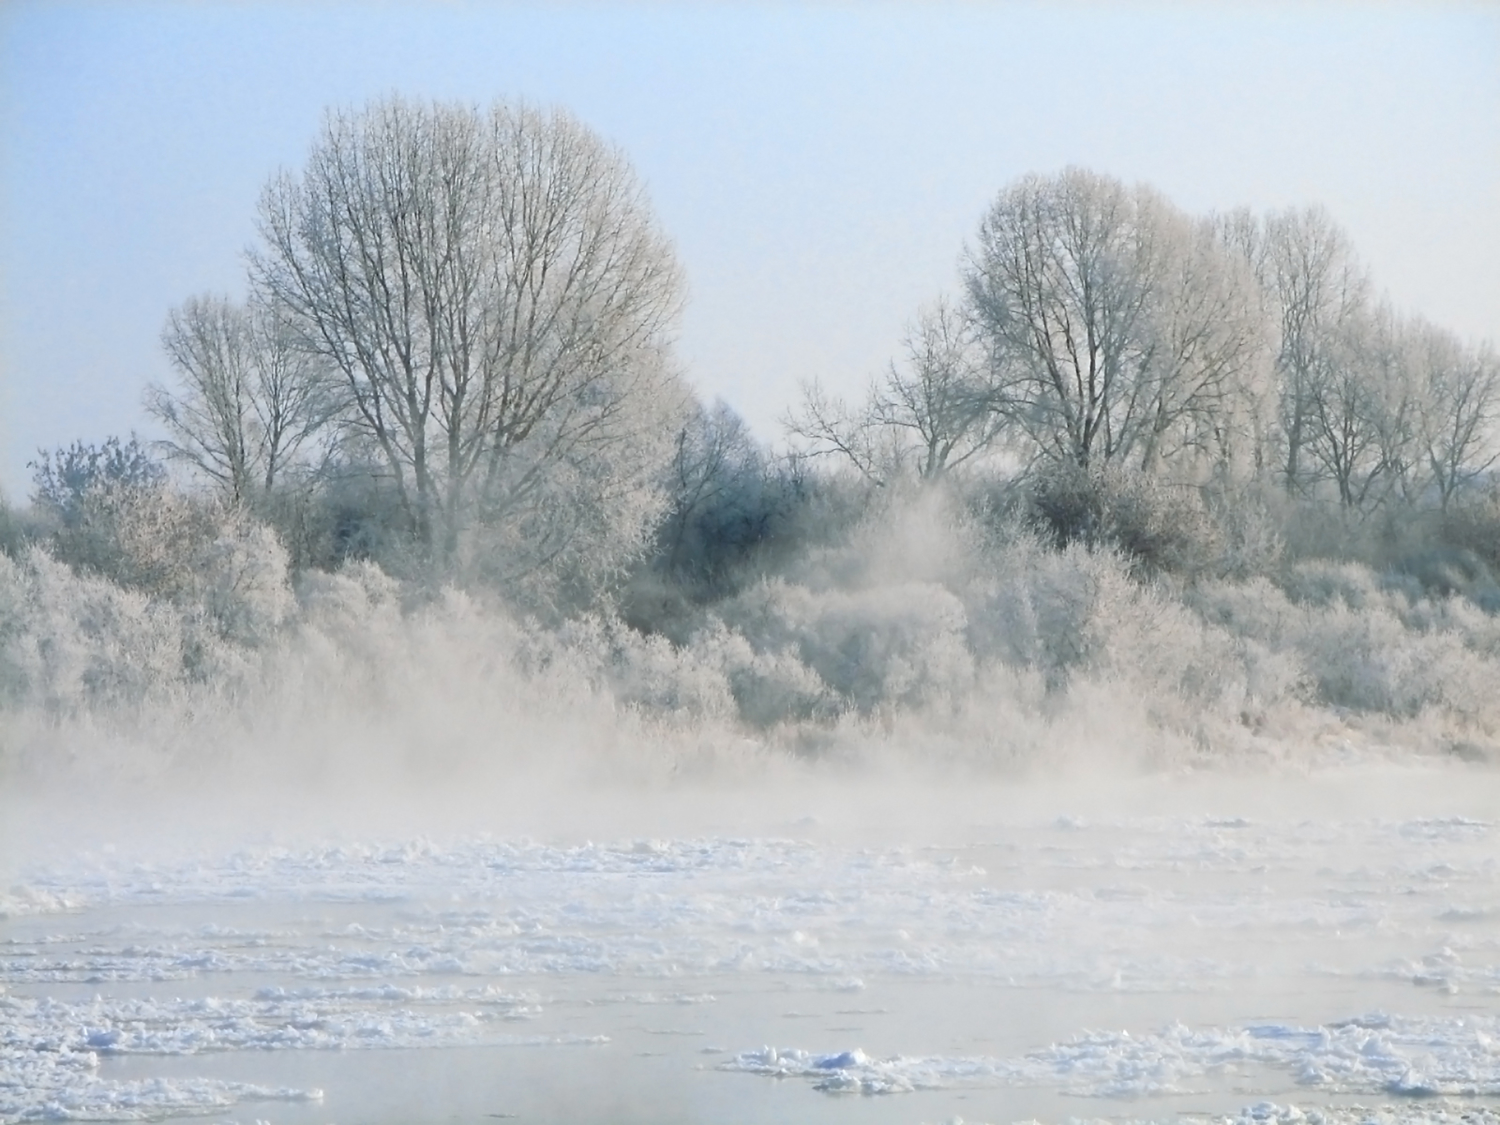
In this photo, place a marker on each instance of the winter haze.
(750, 563)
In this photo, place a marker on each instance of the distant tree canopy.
(1116, 325)
(1101, 329)
(1188, 463)
(455, 357)
(475, 306)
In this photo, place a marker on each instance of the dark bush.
(63, 478)
(1160, 528)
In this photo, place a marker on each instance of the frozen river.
(1006, 955)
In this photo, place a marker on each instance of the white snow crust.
(1372, 1054)
(431, 930)
(1272, 1113)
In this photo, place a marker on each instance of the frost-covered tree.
(1208, 376)
(251, 397)
(1318, 294)
(935, 410)
(1458, 406)
(1357, 424)
(940, 401)
(62, 478)
(498, 302)
(1116, 325)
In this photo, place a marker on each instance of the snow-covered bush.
(201, 555)
(1324, 582)
(77, 642)
(1363, 644)
(767, 687)
(1050, 610)
(898, 645)
(1159, 527)
(1368, 660)
(241, 581)
(919, 629)
(139, 535)
(639, 671)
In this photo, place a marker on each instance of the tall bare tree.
(1115, 324)
(250, 399)
(1358, 410)
(1205, 384)
(935, 411)
(1458, 407)
(941, 398)
(1318, 293)
(495, 295)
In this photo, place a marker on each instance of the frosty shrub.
(1257, 628)
(573, 525)
(76, 642)
(1474, 623)
(648, 673)
(1247, 521)
(1445, 570)
(1254, 609)
(202, 555)
(63, 478)
(767, 687)
(1159, 527)
(140, 536)
(1473, 524)
(1092, 632)
(1322, 583)
(241, 580)
(1363, 645)
(885, 646)
(15, 625)
(1368, 660)
(352, 617)
(1050, 610)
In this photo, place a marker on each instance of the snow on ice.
(95, 950)
(1372, 1054)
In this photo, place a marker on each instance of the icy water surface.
(1028, 964)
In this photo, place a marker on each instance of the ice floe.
(1378, 1053)
(409, 943)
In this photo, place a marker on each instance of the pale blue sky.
(818, 166)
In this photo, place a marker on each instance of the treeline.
(1188, 473)
(1104, 333)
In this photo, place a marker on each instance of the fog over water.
(435, 861)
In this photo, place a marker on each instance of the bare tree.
(1317, 291)
(1404, 404)
(1358, 411)
(495, 296)
(943, 401)
(1203, 387)
(1458, 406)
(825, 425)
(936, 411)
(1114, 323)
(250, 397)
(1372, 403)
